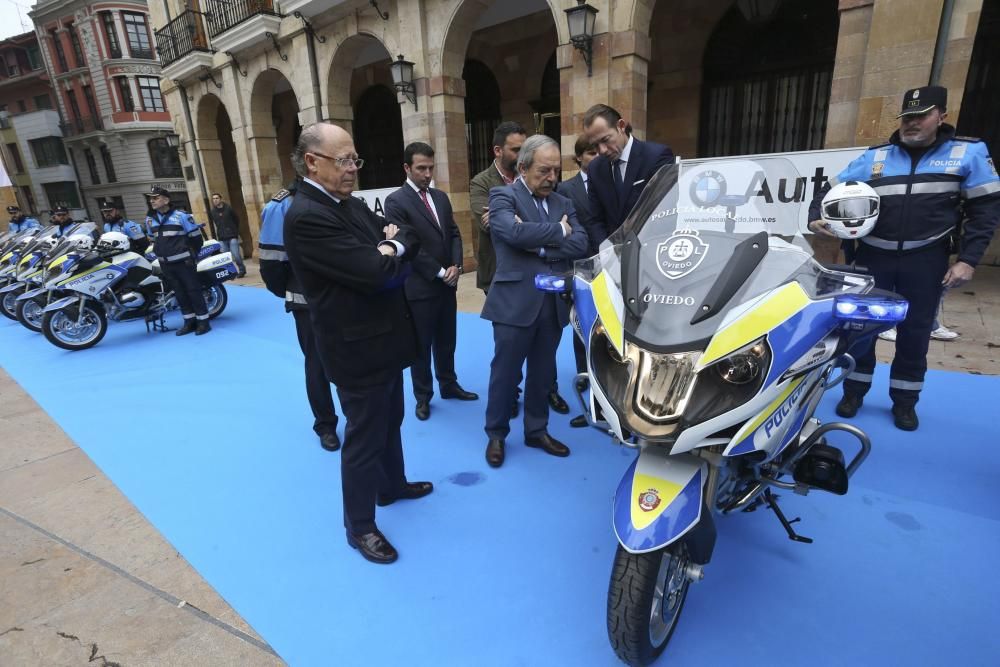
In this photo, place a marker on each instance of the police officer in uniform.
(19, 221)
(928, 179)
(176, 242)
(276, 271)
(60, 217)
(114, 222)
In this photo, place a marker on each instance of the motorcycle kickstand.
(771, 501)
(157, 324)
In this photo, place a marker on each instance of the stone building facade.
(708, 77)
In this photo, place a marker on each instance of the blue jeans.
(233, 246)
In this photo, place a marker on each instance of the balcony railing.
(221, 15)
(183, 35)
(76, 126)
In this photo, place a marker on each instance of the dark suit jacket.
(364, 330)
(479, 196)
(440, 246)
(575, 189)
(644, 160)
(513, 298)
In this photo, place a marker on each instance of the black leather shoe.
(905, 417)
(849, 404)
(423, 410)
(494, 452)
(549, 444)
(203, 327)
(329, 441)
(557, 403)
(189, 327)
(411, 491)
(456, 391)
(374, 547)
(578, 422)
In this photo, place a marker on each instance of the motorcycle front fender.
(60, 304)
(31, 294)
(658, 500)
(11, 287)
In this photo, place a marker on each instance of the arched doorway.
(482, 113)
(981, 101)
(548, 120)
(378, 138)
(220, 161)
(274, 113)
(766, 85)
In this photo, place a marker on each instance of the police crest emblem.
(649, 500)
(680, 254)
(877, 168)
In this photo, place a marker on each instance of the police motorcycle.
(711, 334)
(60, 260)
(117, 284)
(11, 248)
(24, 260)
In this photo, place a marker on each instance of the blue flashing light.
(547, 282)
(862, 308)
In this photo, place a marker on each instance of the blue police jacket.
(924, 201)
(129, 228)
(22, 223)
(176, 236)
(275, 269)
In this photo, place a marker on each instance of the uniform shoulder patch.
(969, 139)
(886, 144)
(281, 195)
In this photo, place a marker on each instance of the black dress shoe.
(423, 410)
(557, 403)
(494, 452)
(329, 441)
(849, 405)
(203, 327)
(549, 444)
(374, 547)
(905, 417)
(411, 491)
(189, 327)
(456, 391)
(579, 421)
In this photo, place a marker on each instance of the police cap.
(162, 192)
(56, 210)
(923, 99)
(13, 209)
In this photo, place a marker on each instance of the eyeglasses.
(342, 162)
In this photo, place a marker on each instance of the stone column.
(848, 72)
(444, 125)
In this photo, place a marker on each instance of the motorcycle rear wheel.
(60, 327)
(645, 599)
(29, 313)
(8, 305)
(216, 299)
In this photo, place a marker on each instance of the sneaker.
(905, 417)
(944, 333)
(849, 405)
(889, 335)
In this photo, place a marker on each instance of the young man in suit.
(351, 266)
(534, 230)
(623, 168)
(578, 190)
(431, 288)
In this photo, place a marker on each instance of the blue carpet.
(510, 567)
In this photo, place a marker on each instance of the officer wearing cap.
(114, 222)
(19, 221)
(928, 180)
(276, 271)
(60, 217)
(176, 242)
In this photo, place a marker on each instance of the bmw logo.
(708, 187)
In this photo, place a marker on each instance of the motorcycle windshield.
(703, 240)
(65, 244)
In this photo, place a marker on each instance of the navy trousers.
(536, 343)
(434, 320)
(916, 276)
(317, 386)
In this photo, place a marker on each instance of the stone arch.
(274, 128)
(220, 159)
(339, 98)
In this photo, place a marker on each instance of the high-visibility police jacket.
(176, 236)
(923, 201)
(129, 228)
(275, 269)
(21, 223)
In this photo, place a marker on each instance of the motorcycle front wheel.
(8, 305)
(63, 329)
(216, 299)
(29, 313)
(645, 599)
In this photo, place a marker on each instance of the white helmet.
(81, 242)
(850, 209)
(113, 242)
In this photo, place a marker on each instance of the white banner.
(375, 198)
(814, 168)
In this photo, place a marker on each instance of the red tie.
(423, 195)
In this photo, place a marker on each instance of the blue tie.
(542, 215)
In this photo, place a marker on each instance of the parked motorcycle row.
(712, 334)
(69, 285)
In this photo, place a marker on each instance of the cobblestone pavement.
(85, 579)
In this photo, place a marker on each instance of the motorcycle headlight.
(728, 383)
(744, 365)
(664, 384)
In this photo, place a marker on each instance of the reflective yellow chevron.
(610, 317)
